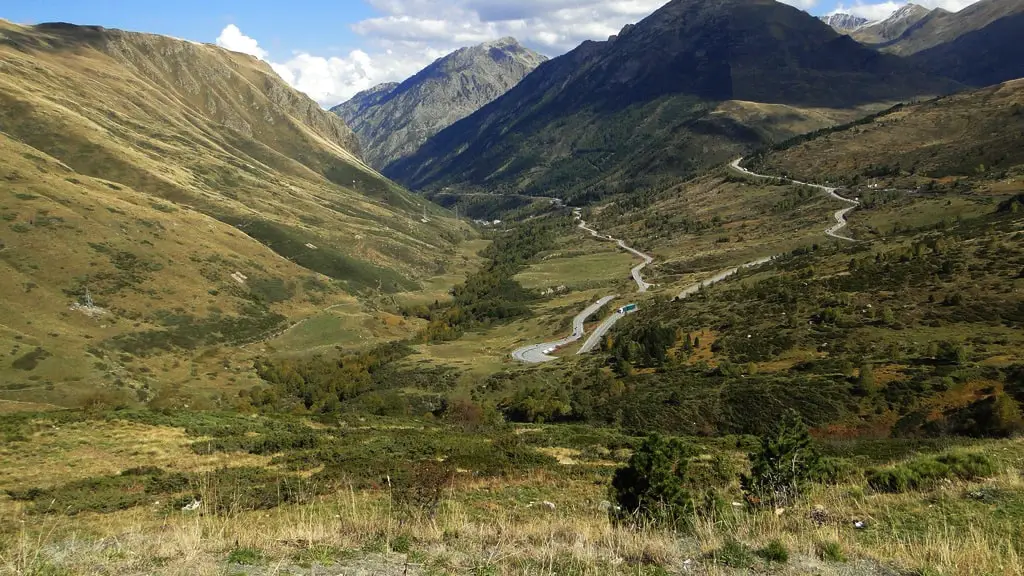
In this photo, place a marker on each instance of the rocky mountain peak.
(843, 22)
(392, 120)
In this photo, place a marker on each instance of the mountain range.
(894, 26)
(393, 120)
(642, 105)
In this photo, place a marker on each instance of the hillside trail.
(539, 353)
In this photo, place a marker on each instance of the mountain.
(642, 106)
(164, 197)
(364, 100)
(393, 120)
(844, 22)
(894, 26)
(941, 27)
(981, 45)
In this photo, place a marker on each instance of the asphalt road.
(641, 285)
(595, 337)
(693, 289)
(537, 353)
(840, 215)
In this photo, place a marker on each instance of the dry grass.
(111, 148)
(93, 448)
(517, 538)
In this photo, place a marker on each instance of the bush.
(734, 554)
(831, 552)
(924, 473)
(998, 416)
(651, 485)
(775, 551)
(420, 488)
(785, 462)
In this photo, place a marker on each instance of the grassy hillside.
(966, 143)
(200, 202)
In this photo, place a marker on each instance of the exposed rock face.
(844, 23)
(892, 27)
(393, 120)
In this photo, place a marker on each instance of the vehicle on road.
(627, 309)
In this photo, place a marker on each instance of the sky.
(332, 49)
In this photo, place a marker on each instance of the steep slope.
(364, 101)
(392, 121)
(894, 26)
(988, 47)
(163, 197)
(844, 23)
(941, 27)
(639, 106)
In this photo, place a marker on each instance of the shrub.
(245, 556)
(784, 463)
(998, 416)
(401, 544)
(419, 489)
(835, 470)
(734, 554)
(651, 485)
(831, 552)
(775, 551)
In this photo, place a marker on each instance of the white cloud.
(233, 39)
(802, 4)
(332, 80)
(409, 34)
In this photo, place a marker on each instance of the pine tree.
(652, 485)
(784, 463)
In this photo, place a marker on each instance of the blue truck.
(627, 309)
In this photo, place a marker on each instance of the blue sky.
(331, 49)
(283, 27)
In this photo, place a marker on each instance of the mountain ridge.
(393, 120)
(569, 120)
(844, 23)
(163, 198)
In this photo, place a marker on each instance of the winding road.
(538, 353)
(641, 285)
(840, 215)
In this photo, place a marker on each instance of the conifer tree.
(783, 464)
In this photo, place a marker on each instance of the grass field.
(579, 262)
(482, 523)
